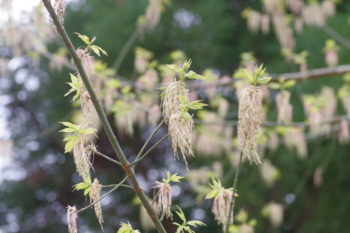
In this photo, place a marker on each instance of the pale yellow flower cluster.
(250, 119)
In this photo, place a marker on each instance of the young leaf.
(264, 80)
(181, 214)
(84, 38)
(193, 75)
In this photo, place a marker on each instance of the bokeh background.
(290, 193)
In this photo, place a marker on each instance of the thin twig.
(124, 51)
(113, 185)
(149, 139)
(104, 195)
(234, 186)
(150, 149)
(339, 38)
(103, 118)
(335, 119)
(107, 157)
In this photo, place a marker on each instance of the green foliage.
(76, 86)
(330, 45)
(186, 226)
(172, 178)
(127, 228)
(257, 76)
(216, 188)
(184, 71)
(85, 186)
(90, 46)
(186, 105)
(76, 133)
(282, 84)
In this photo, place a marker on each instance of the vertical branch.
(103, 118)
(233, 200)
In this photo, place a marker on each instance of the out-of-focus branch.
(336, 36)
(125, 49)
(332, 120)
(298, 76)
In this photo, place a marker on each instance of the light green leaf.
(175, 178)
(289, 84)
(275, 85)
(69, 125)
(264, 80)
(212, 194)
(84, 38)
(181, 214)
(87, 131)
(69, 146)
(95, 50)
(195, 223)
(174, 68)
(193, 75)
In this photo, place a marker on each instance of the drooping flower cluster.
(285, 109)
(170, 99)
(331, 53)
(163, 199)
(72, 216)
(95, 194)
(82, 160)
(274, 212)
(180, 131)
(222, 202)
(320, 108)
(250, 112)
(343, 133)
(60, 6)
(163, 195)
(212, 139)
(250, 119)
(294, 138)
(175, 103)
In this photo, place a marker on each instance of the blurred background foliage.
(37, 185)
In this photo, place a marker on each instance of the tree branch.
(104, 195)
(106, 157)
(102, 116)
(149, 139)
(149, 150)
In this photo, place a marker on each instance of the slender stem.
(124, 51)
(103, 118)
(104, 195)
(333, 33)
(234, 186)
(113, 185)
(149, 139)
(149, 150)
(107, 157)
